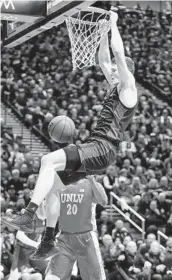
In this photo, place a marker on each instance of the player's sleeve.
(59, 205)
(99, 193)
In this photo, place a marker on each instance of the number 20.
(72, 209)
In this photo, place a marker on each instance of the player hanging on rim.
(100, 150)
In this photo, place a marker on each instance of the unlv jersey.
(77, 210)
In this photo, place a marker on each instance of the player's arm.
(58, 206)
(104, 58)
(126, 77)
(98, 191)
(22, 237)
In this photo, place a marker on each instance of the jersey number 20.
(72, 209)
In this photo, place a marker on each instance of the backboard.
(22, 20)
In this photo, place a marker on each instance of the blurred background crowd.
(37, 80)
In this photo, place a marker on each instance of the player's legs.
(47, 246)
(52, 209)
(26, 222)
(61, 265)
(55, 161)
(91, 264)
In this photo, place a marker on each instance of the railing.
(154, 89)
(161, 235)
(131, 210)
(123, 273)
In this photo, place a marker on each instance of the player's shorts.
(100, 150)
(83, 248)
(91, 157)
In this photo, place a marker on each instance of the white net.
(85, 34)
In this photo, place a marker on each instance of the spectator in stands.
(155, 257)
(143, 204)
(127, 260)
(127, 146)
(109, 180)
(168, 228)
(83, 134)
(164, 204)
(154, 216)
(123, 190)
(168, 162)
(115, 250)
(127, 238)
(103, 230)
(104, 220)
(106, 243)
(20, 201)
(163, 183)
(143, 249)
(24, 172)
(31, 182)
(117, 231)
(16, 155)
(15, 180)
(35, 167)
(138, 190)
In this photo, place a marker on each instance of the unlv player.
(77, 224)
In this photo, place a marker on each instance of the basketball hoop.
(85, 34)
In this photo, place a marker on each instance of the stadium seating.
(38, 82)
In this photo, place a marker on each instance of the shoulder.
(129, 83)
(85, 184)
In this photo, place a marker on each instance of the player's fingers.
(114, 9)
(113, 16)
(102, 22)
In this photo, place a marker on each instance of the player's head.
(114, 70)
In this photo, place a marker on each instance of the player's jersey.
(68, 177)
(77, 210)
(114, 118)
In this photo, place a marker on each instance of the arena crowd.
(37, 78)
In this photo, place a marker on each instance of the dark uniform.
(100, 150)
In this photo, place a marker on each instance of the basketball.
(61, 129)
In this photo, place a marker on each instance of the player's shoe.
(45, 250)
(23, 222)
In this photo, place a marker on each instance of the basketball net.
(85, 34)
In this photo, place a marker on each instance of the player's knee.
(45, 160)
(51, 277)
(56, 160)
(38, 276)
